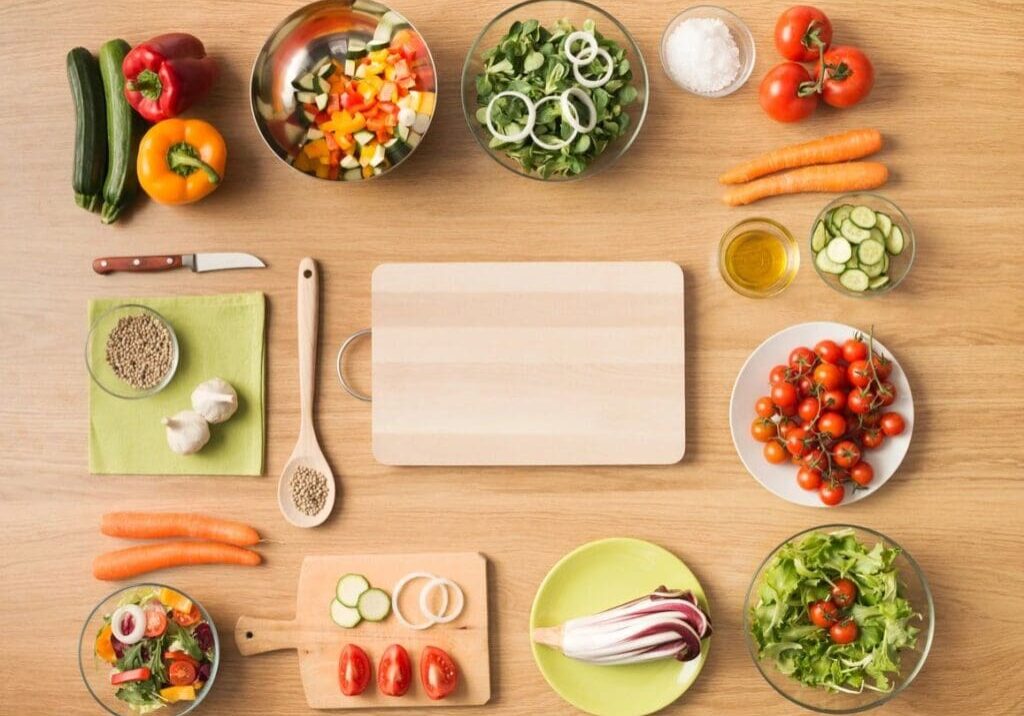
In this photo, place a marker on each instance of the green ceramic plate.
(595, 577)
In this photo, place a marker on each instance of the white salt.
(702, 55)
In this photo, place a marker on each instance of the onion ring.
(443, 617)
(588, 41)
(568, 110)
(398, 590)
(531, 116)
(594, 84)
(561, 142)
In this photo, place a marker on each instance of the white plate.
(752, 383)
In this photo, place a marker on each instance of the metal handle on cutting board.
(341, 372)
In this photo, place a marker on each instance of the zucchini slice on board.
(374, 605)
(346, 617)
(350, 588)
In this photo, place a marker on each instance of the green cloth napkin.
(219, 336)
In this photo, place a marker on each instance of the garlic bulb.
(187, 432)
(215, 400)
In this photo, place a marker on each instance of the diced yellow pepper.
(379, 56)
(174, 694)
(322, 170)
(367, 171)
(343, 141)
(374, 68)
(366, 153)
(412, 100)
(426, 103)
(389, 73)
(303, 163)
(316, 149)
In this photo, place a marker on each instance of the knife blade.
(199, 263)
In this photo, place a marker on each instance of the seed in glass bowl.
(140, 351)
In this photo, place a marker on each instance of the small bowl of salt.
(708, 51)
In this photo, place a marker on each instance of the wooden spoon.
(307, 450)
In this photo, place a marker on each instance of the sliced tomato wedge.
(353, 670)
(156, 620)
(394, 675)
(181, 673)
(438, 673)
(187, 619)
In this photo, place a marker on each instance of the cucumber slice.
(364, 137)
(895, 243)
(343, 616)
(326, 71)
(305, 83)
(863, 217)
(885, 264)
(369, 6)
(872, 270)
(854, 279)
(824, 263)
(884, 223)
(819, 237)
(374, 605)
(876, 235)
(841, 214)
(322, 85)
(353, 174)
(878, 282)
(870, 252)
(313, 134)
(350, 588)
(305, 97)
(839, 250)
(375, 44)
(349, 162)
(853, 233)
(853, 263)
(321, 101)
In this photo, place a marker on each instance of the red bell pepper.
(124, 677)
(166, 75)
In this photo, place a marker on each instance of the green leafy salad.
(829, 613)
(553, 99)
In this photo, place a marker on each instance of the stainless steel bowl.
(304, 38)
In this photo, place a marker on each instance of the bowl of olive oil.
(758, 257)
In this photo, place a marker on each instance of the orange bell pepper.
(181, 160)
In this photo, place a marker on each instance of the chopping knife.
(197, 262)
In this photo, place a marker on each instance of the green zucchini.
(90, 163)
(124, 130)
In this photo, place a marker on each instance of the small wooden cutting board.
(528, 363)
(319, 640)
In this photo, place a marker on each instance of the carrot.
(827, 150)
(125, 563)
(158, 525)
(852, 176)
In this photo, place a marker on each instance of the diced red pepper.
(123, 677)
(332, 173)
(351, 100)
(334, 104)
(408, 51)
(332, 144)
(375, 124)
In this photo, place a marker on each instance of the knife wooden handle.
(110, 264)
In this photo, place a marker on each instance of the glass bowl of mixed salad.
(839, 619)
(146, 648)
(555, 89)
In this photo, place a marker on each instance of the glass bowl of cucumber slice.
(862, 244)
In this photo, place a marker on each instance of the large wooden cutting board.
(319, 640)
(528, 364)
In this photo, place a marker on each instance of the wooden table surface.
(948, 99)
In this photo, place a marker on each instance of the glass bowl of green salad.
(149, 648)
(839, 619)
(555, 90)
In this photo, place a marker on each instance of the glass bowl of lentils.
(131, 351)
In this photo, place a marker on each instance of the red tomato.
(892, 424)
(815, 459)
(828, 376)
(796, 442)
(764, 407)
(186, 620)
(394, 674)
(833, 424)
(438, 673)
(862, 473)
(873, 438)
(829, 351)
(859, 374)
(886, 393)
(801, 32)
(788, 411)
(180, 656)
(846, 454)
(774, 452)
(808, 478)
(860, 401)
(831, 493)
(823, 613)
(181, 672)
(854, 349)
(784, 395)
(805, 386)
(778, 374)
(780, 93)
(801, 360)
(882, 366)
(353, 670)
(833, 400)
(787, 425)
(849, 76)
(844, 592)
(156, 620)
(763, 430)
(844, 632)
(808, 409)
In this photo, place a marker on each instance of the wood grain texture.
(319, 641)
(948, 100)
(563, 363)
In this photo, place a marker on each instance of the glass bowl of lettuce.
(137, 673)
(890, 616)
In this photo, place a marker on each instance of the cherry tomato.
(859, 374)
(176, 655)
(846, 454)
(784, 395)
(844, 632)
(862, 473)
(854, 349)
(871, 419)
(815, 459)
(844, 593)
(764, 407)
(805, 386)
(353, 670)
(860, 401)
(187, 619)
(789, 411)
(786, 425)
(849, 76)
(873, 438)
(763, 430)
(823, 613)
(828, 376)
(796, 442)
(831, 493)
(394, 675)
(438, 673)
(156, 620)
(808, 478)
(886, 393)
(778, 374)
(832, 423)
(892, 424)
(181, 672)
(801, 32)
(882, 366)
(833, 400)
(808, 409)
(774, 452)
(801, 360)
(780, 93)
(829, 351)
